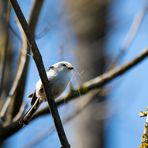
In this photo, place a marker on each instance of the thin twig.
(41, 69)
(7, 131)
(130, 37)
(24, 58)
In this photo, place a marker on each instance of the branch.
(134, 28)
(14, 100)
(24, 59)
(97, 82)
(131, 35)
(41, 69)
(7, 131)
(66, 120)
(74, 93)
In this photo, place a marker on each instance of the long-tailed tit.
(59, 76)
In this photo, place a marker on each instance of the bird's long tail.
(27, 117)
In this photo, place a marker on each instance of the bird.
(59, 76)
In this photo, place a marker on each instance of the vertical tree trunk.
(88, 20)
(6, 76)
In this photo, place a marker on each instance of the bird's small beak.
(70, 67)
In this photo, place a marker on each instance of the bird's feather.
(31, 95)
(33, 98)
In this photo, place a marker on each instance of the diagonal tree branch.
(97, 82)
(74, 94)
(39, 63)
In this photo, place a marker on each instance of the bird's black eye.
(64, 65)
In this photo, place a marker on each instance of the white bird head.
(62, 66)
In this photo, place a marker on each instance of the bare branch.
(7, 131)
(14, 100)
(74, 94)
(97, 82)
(131, 35)
(134, 28)
(24, 59)
(39, 63)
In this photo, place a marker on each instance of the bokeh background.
(89, 34)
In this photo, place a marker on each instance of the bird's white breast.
(58, 82)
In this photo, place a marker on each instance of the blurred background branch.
(14, 101)
(130, 37)
(15, 98)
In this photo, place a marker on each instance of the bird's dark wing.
(33, 96)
